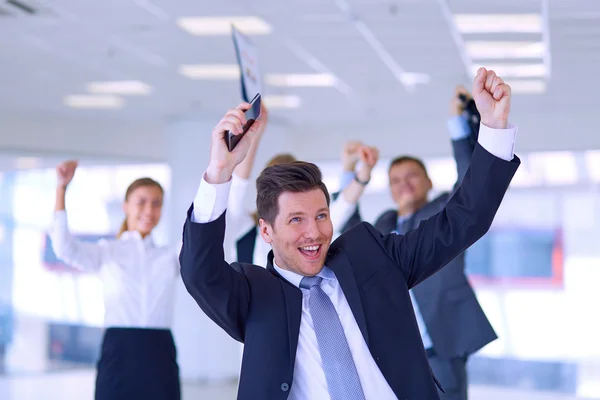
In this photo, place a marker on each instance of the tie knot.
(310, 281)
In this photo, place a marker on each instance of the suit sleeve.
(467, 216)
(221, 290)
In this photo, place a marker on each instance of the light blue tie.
(342, 378)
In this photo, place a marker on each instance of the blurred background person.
(138, 356)
(451, 321)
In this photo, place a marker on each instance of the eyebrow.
(301, 213)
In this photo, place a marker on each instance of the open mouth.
(311, 252)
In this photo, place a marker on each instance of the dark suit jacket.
(454, 319)
(258, 307)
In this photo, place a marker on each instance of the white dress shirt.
(309, 378)
(138, 278)
(240, 221)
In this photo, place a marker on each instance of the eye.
(295, 219)
(322, 216)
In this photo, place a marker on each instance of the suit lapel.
(293, 306)
(340, 265)
(389, 224)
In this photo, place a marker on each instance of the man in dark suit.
(450, 319)
(334, 320)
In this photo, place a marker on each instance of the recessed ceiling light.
(498, 23)
(282, 101)
(207, 26)
(211, 71)
(483, 49)
(94, 101)
(119, 87)
(515, 70)
(531, 86)
(414, 78)
(301, 80)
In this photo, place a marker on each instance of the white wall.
(104, 137)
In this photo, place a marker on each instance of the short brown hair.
(404, 159)
(295, 177)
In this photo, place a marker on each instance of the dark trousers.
(138, 364)
(452, 374)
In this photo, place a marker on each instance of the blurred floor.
(79, 385)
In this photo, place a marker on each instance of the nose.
(312, 230)
(147, 209)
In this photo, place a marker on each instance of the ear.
(429, 184)
(124, 207)
(266, 230)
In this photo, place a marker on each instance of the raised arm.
(344, 207)
(221, 290)
(83, 255)
(463, 141)
(470, 211)
(241, 174)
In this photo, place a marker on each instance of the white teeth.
(310, 248)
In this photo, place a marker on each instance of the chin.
(312, 270)
(145, 230)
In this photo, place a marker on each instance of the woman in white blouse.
(138, 357)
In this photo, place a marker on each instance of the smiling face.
(302, 232)
(293, 210)
(143, 206)
(409, 185)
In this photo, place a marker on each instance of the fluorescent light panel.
(94, 101)
(515, 70)
(27, 163)
(211, 71)
(301, 80)
(282, 101)
(483, 49)
(119, 87)
(209, 26)
(529, 86)
(498, 23)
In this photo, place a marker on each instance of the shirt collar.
(294, 278)
(135, 235)
(403, 218)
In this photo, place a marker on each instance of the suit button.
(285, 387)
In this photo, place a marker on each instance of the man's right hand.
(351, 155)
(65, 172)
(222, 162)
(368, 157)
(456, 104)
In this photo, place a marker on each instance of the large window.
(51, 312)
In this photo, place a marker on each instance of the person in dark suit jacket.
(334, 320)
(451, 321)
(242, 234)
